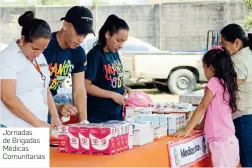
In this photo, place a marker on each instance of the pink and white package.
(126, 137)
(108, 140)
(95, 142)
(122, 135)
(68, 139)
(84, 145)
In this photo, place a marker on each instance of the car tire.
(160, 87)
(181, 82)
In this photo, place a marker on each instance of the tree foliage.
(248, 18)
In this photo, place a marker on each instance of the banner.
(188, 151)
(24, 148)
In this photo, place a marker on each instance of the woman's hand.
(68, 110)
(127, 90)
(118, 98)
(55, 122)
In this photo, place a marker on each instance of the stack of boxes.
(106, 138)
(140, 127)
(167, 118)
(170, 122)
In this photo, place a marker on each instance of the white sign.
(188, 151)
(24, 148)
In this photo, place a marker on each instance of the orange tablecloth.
(154, 154)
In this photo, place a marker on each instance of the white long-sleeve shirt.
(30, 88)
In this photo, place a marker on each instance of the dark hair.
(33, 28)
(113, 24)
(234, 31)
(223, 66)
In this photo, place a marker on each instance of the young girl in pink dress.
(217, 106)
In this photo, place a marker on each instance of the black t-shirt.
(105, 70)
(62, 62)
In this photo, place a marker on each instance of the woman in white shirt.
(240, 47)
(25, 96)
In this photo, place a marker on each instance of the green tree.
(248, 18)
(95, 2)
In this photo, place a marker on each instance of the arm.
(15, 105)
(201, 125)
(241, 71)
(79, 95)
(127, 90)
(58, 107)
(198, 114)
(98, 92)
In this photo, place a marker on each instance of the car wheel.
(181, 82)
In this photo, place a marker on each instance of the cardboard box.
(95, 140)
(129, 111)
(160, 132)
(143, 133)
(172, 124)
(63, 139)
(69, 139)
(130, 137)
(108, 140)
(84, 145)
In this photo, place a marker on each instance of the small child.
(217, 105)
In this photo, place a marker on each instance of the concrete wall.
(169, 26)
(9, 26)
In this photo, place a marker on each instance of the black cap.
(81, 18)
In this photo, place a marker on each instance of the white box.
(175, 122)
(143, 134)
(172, 124)
(129, 111)
(154, 118)
(163, 120)
(131, 136)
(160, 132)
(146, 110)
(182, 120)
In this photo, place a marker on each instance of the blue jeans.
(243, 128)
(2, 126)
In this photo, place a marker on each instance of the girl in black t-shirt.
(104, 75)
